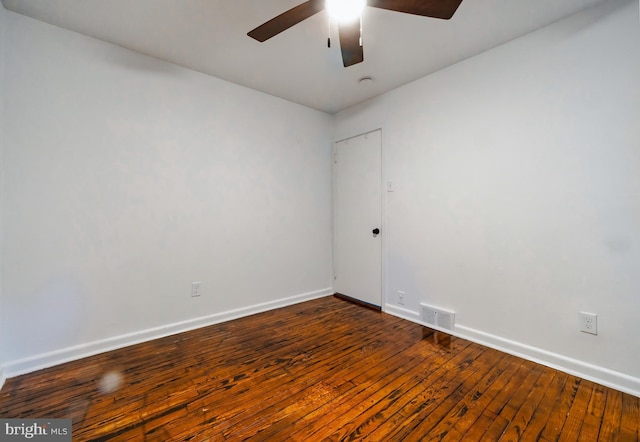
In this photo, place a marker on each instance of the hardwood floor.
(321, 370)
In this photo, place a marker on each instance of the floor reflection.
(437, 337)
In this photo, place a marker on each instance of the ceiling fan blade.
(428, 8)
(287, 19)
(352, 52)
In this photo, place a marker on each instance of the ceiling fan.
(349, 29)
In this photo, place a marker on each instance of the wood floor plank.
(272, 397)
(353, 419)
(429, 416)
(630, 420)
(593, 415)
(340, 387)
(364, 386)
(612, 417)
(279, 398)
(424, 396)
(575, 417)
(522, 417)
(363, 389)
(312, 421)
(474, 417)
(469, 401)
(556, 419)
(320, 370)
(394, 402)
(545, 408)
(515, 401)
(489, 418)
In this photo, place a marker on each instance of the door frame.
(383, 208)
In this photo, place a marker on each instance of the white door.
(358, 216)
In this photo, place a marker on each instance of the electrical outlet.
(400, 297)
(195, 289)
(589, 323)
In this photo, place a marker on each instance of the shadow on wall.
(43, 309)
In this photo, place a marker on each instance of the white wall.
(2, 50)
(517, 201)
(127, 178)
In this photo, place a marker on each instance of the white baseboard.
(401, 312)
(49, 359)
(601, 375)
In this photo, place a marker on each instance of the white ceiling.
(210, 36)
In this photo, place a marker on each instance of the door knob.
(375, 232)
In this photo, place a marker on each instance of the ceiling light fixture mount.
(345, 11)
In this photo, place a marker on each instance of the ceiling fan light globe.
(345, 11)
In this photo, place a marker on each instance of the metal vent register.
(438, 317)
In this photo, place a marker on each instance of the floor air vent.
(438, 317)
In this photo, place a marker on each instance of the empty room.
(252, 220)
